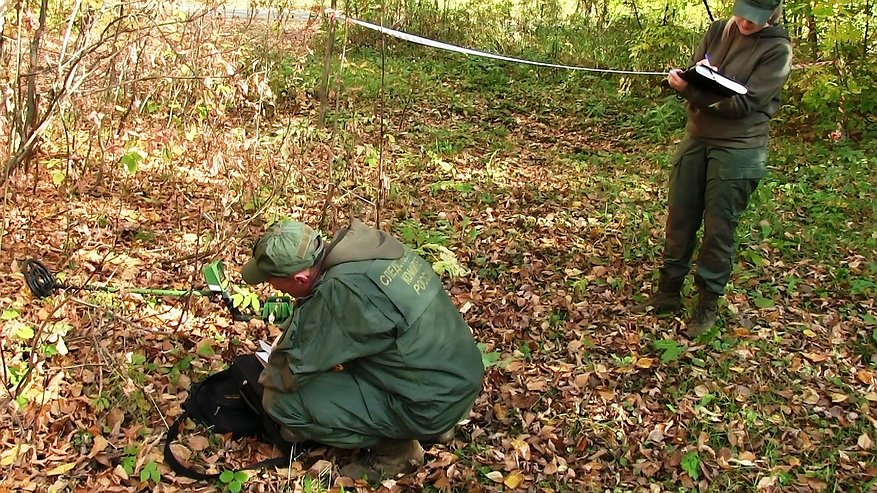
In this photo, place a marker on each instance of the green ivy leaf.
(241, 476)
(205, 349)
(489, 359)
(24, 332)
(128, 465)
(236, 300)
(691, 464)
(58, 177)
(764, 302)
(234, 486)
(226, 476)
(131, 159)
(150, 472)
(60, 328)
(670, 349)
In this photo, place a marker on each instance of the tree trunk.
(25, 151)
(867, 25)
(636, 13)
(4, 4)
(812, 36)
(708, 11)
(327, 59)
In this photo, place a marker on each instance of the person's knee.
(718, 232)
(286, 408)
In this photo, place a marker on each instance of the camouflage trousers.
(709, 185)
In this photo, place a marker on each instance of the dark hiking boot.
(442, 438)
(666, 300)
(446, 437)
(289, 435)
(386, 459)
(704, 314)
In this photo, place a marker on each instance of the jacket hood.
(360, 242)
(774, 31)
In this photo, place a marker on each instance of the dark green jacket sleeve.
(334, 326)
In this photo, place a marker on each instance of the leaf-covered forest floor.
(550, 190)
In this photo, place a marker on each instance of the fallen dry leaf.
(817, 484)
(838, 397)
(766, 482)
(181, 451)
(100, 444)
(656, 435)
(63, 468)
(810, 396)
(522, 448)
(514, 479)
(8, 457)
(495, 476)
(320, 468)
(607, 394)
(865, 442)
(198, 442)
(815, 357)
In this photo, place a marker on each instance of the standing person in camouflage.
(722, 157)
(375, 355)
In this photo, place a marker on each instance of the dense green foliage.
(658, 35)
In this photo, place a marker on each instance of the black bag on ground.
(229, 401)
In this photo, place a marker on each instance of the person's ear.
(301, 277)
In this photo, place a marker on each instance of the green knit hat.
(286, 248)
(755, 11)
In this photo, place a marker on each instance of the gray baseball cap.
(755, 11)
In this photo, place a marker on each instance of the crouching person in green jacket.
(376, 356)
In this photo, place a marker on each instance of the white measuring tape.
(459, 49)
(467, 51)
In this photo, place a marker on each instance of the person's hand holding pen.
(674, 78)
(706, 61)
